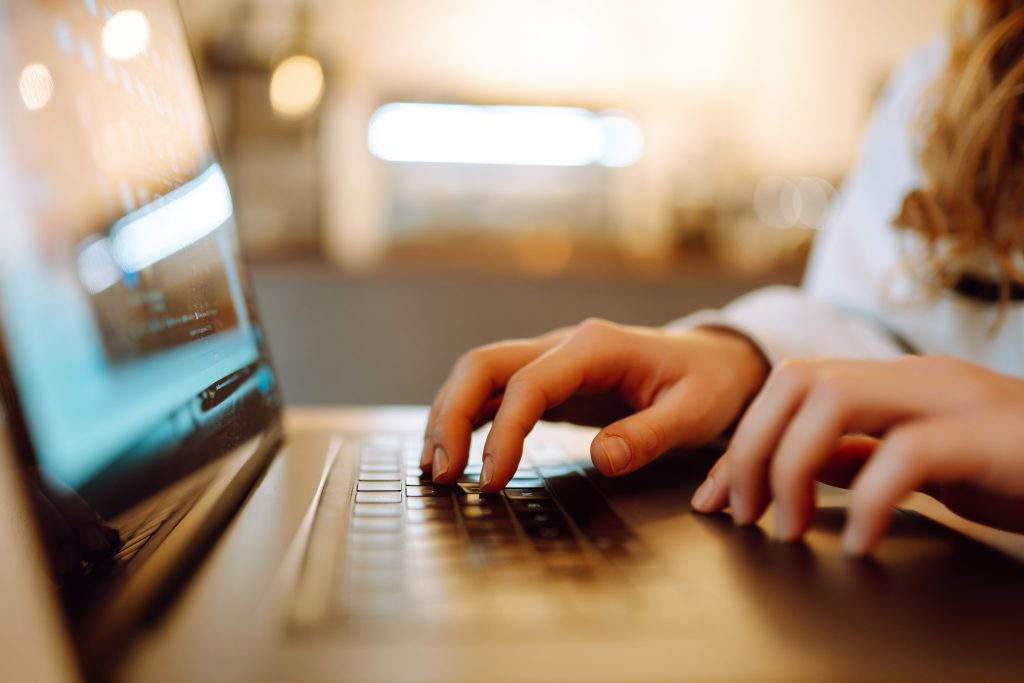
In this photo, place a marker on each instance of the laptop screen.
(130, 344)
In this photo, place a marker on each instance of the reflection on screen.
(123, 302)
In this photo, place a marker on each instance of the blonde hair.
(973, 149)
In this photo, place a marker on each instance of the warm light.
(36, 86)
(126, 35)
(513, 135)
(296, 86)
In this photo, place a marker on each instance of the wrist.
(744, 359)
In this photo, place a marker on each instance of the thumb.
(678, 416)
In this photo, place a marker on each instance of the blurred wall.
(724, 90)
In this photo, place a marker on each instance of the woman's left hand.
(933, 424)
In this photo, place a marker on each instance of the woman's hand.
(650, 389)
(943, 427)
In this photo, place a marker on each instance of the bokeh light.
(801, 203)
(126, 35)
(35, 86)
(296, 87)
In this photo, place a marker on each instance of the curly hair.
(972, 156)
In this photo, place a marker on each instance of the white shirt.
(858, 299)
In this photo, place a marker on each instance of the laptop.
(164, 518)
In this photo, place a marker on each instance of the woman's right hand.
(650, 389)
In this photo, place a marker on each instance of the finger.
(804, 448)
(909, 457)
(589, 361)
(758, 434)
(846, 462)
(713, 494)
(427, 456)
(677, 417)
(844, 397)
(479, 374)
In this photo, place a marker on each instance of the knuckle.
(523, 387)
(792, 372)
(909, 445)
(595, 327)
(650, 435)
(831, 390)
(474, 359)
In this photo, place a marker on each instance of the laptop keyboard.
(387, 543)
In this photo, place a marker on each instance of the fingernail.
(783, 528)
(703, 495)
(617, 452)
(440, 462)
(854, 540)
(487, 471)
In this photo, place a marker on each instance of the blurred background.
(417, 177)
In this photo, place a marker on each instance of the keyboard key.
(541, 518)
(378, 476)
(389, 524)
(379, 486)
(548, 471)
(478, 498)
(379, 497)
(429, 515)
(381, 459)
(533, 505)
(416, 546)
(375, 558)
(377, 510)
(371, 540)
(549, 531)
(487, 526)
(484, 511)
(526, 494)
(433, 527)
(429, 503)
(525, 483)
(420, 480)
(426, 490)
(380, 467)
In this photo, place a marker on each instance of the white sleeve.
(786, 322)
(839, 311)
